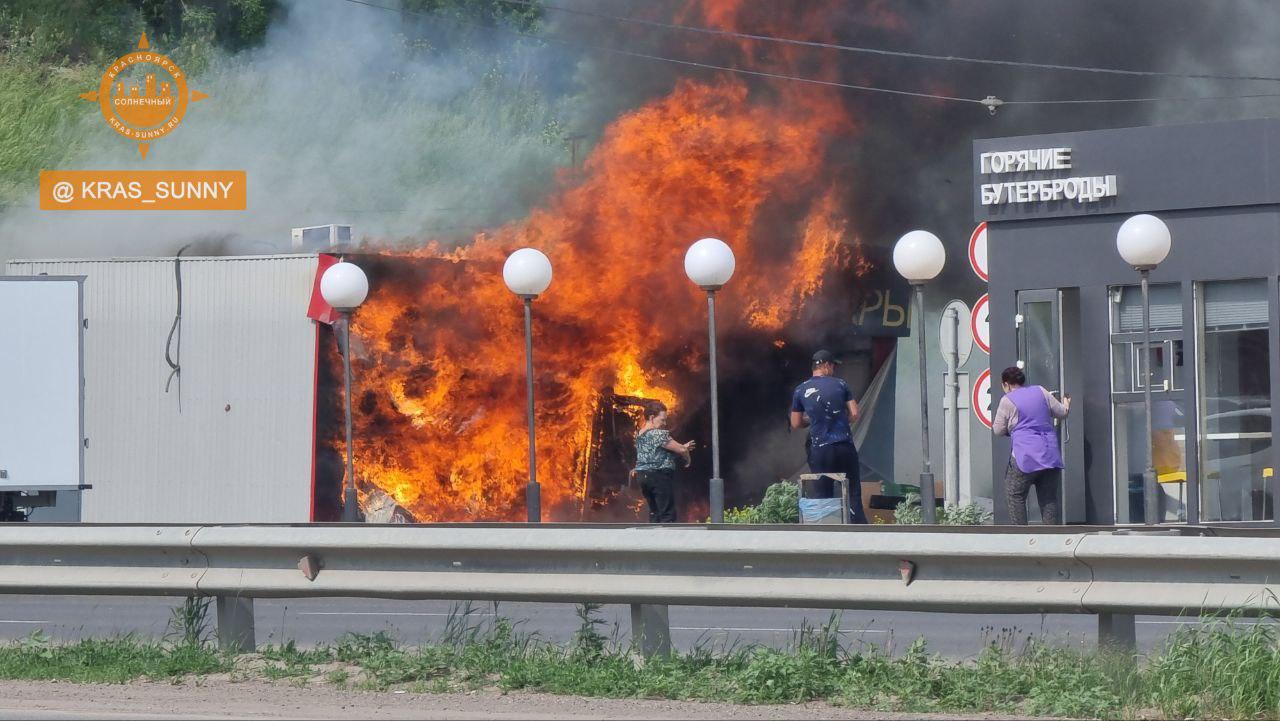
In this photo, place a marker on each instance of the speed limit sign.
(982, 398)
(980, 323)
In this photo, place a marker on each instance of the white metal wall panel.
(231, 440)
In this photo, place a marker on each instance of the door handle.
(1058, 422)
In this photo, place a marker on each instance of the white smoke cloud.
(337, 118)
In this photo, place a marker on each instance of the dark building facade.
(1065, 306)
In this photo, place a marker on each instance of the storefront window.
(1167, 362)
(1169, 456)
(1166, 308)
(1168, 369)
(1235, 401)
(1168, 372)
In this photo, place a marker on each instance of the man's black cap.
(824, 356)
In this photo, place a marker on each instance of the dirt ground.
(225, 699)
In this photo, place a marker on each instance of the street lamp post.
(1143, 241)
(345, 286)
(919, 257)
(709, 263)
(527, 273)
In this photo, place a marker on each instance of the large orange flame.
(441, 402)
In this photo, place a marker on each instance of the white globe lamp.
(1143, 241)
(919, 256)
(709, 263)
(344, 285)
(527, 272)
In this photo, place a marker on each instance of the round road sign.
(980, 324)
(981, 401)
(978, 251)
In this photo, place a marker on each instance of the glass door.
(1168, 376)
(1039, 335)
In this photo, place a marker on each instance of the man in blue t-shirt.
(825, 404)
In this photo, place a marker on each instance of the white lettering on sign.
(1022, 161)
(1081, 190)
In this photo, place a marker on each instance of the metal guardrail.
(1113, 575)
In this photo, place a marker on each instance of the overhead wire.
(890, 53)
(690, 63)
(991, 102)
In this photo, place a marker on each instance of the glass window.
(1235, 401)
(1168, 443)
(1040, 344)
(1168, 371)
(1126, 308)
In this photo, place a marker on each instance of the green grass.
(1224, 668)
(44, 121)
(114, 660)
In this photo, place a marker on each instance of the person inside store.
(1026, 415)
(825, 404)
(656, 461)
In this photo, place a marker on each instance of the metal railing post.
(651, 629)
(845, 511)
(1117, 632)
(235, 624)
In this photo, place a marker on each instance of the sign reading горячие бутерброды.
(1081, 189)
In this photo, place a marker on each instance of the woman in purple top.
(1026, 415)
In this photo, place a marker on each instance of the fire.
(440, 394)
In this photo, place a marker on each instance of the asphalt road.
(311, 621)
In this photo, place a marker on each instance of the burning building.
(440, 406)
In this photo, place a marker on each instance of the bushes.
(781, 504)
(909, 512)
(782, 499)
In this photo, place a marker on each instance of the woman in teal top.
(656, 455)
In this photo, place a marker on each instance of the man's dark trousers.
(841, 458)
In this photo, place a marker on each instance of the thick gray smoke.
(910, 161)
(347, 114)
(343, 116)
